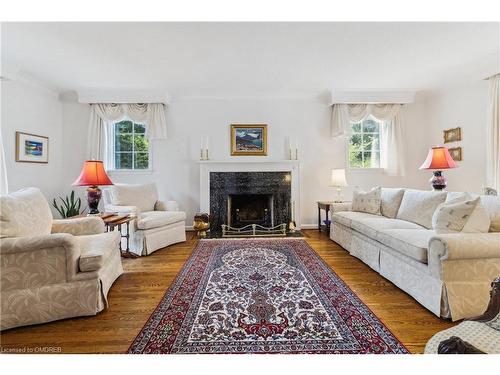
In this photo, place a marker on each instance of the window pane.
(141, 160)
(371, 142)
(123, 160)
(356, 159)
(140, 128)
(140, 143)
(371, 160)
(370, 126)
(123, 127)
(123, 142)
(356, 128)
(355, 142)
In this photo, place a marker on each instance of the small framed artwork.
(456, 153)
(248, 140)
(32, 148)
(452, 135)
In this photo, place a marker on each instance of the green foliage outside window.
(131, 146)
(364, 144)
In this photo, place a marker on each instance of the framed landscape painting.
(248, 140)
(31, 148)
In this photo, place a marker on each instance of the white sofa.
(52, 269)
(158, 224)
(449, 274)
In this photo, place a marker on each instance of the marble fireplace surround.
(289, 166)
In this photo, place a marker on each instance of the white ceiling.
(248, 59)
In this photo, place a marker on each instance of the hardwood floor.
(137, 292)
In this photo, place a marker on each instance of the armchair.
(158, 224)
(52, 269)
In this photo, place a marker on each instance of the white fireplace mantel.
(292, 166)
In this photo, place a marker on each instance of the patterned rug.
(261, 296)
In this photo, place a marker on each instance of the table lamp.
(92, 175)
(438, 158)
(338, 181)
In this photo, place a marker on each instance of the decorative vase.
(93, 198)
(438, 181)
(201, 224)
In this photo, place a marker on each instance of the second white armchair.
(158, 224)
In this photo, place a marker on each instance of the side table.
(328, 206)
(112, 221)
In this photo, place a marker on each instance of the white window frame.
(111, 150)
(348, 143)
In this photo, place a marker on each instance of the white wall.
(34, 110)
(175, 166)
(465, 107)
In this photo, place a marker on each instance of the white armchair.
(52, 269)
(158, 224)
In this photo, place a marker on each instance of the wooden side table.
(112, 221)
(330, 206)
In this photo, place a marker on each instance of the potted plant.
(69, 207)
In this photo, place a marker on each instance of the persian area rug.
(261, 296)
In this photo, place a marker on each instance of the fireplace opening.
(245, 209)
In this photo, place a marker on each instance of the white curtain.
(493, 132)
(391, 142)
(153, 114)
(4, 186)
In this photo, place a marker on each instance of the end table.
(333, 207)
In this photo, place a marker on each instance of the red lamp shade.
(93, 174)
(438, 158)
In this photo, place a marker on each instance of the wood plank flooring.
(138, 291)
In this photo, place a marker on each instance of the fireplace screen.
(245, 209)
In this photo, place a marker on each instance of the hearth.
(244, 209)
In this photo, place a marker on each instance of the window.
(364, 144)
(130, 146)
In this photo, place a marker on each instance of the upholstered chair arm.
(32, 262)
(79, 226)
(134, 210)
(166, 206)
(462, 246)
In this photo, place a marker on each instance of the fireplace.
(245, 209)
(243, 198)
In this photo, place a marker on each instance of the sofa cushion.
(452, 215)
(345, 217)
(96, 249)
(418, 206)
(143, 196)
(368, 202)
(492, 205)
(155, 219)
(391, 200)
(25, 213)
(372, 226)
(479, 221)
(410, 242)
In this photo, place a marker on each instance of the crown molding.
(372, 96)
(123, 96)
(26, 78)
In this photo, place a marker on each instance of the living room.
(250, 187)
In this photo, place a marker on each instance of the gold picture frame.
(456, 153)
(452, 135)
(32, 148)
(248, 140)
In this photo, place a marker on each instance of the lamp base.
(438, 182)
(93, 197)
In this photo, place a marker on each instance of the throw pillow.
(368, 202)
(452, 216)
(479, 221)
(391, 200)
(143, 196)
(418, 206)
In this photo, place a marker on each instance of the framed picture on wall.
(452, 135)
(248, 140)
(456, 153)
(32, 148)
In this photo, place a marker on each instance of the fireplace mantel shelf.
(247, 161)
